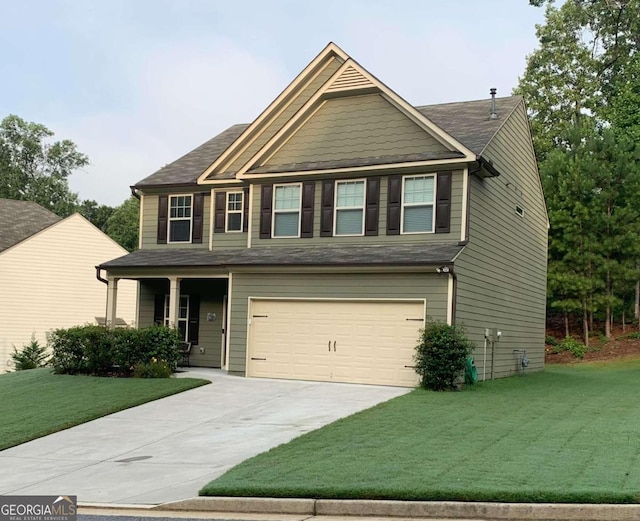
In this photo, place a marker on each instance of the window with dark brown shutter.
(245, 211)
(266, 195)
(326, 210)
(219, 212)
(394, 204)
(372, 206)
(308, 196)
(194, 319)
(443, 203)
(163, 216)
(198, 218)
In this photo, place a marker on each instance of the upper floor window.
(234, 211)
(180, 218)
(286, 210)
(349, 207)
(418, 204)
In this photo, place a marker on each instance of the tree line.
(35, 168)
(582, 89)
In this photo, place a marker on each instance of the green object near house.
(470, 372)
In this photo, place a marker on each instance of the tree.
(122, 226)
(97, 214)
(34, 169)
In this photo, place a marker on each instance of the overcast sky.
(138, 83)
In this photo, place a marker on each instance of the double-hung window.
(234, 211)
(183, 315)
(180, 218)
(349, 207)
(286, 210)
(418, 203)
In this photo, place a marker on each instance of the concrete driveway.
(168, 449)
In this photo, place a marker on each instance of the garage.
(355, 341)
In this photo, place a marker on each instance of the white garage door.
(339, 341)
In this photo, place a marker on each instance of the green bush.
(441, 355)
(551, 340)
(575, 347)
(101, 351)
(154, 369)
(31, 356)
(633, 335)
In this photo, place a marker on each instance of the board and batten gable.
(380, 286)
(48, 281)
(502, 271)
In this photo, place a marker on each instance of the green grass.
(570, 434)
(36, 402)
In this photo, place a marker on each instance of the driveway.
(168, 449)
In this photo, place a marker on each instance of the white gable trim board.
(368, 341)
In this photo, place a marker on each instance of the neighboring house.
(314, 242)
(48, 276)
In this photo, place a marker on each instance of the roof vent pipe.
(493, 114)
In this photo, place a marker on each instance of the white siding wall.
(49, 281)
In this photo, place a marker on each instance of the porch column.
(174, 300)
(112, 302)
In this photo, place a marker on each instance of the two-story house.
(314, 242)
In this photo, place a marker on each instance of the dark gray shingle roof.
(326, 256)
(466, 121)
(22, 219)
(469, 121)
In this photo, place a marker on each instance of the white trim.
(221, 182)
(521, 212)
(249, 216)
(169, 219)
(227, 212)
(335, 206)
(273, 211)
(211, 218)
(450, 300)
(411, 205)
(465, 195)
(140, 221)
(307, 75)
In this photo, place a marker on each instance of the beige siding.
(431, 287)
(211, 298)
(381, 238)
(149, 229)
(49, 281)
(302, 97)
(355, 127)
(502, 271)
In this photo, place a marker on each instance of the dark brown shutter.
(194, 319)
(372, 206)
(198, 218)
(219, 212)
(265, 211)
(326, 210)
(158, 310)
(443, 203)
(163, 215)
(308, 195)
(245, 209)
(394, 204)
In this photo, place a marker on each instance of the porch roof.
(335, 255)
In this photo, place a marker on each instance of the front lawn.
(570, 434)
(36, 402)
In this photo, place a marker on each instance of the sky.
(138, 83)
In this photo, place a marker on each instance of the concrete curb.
(416, 509)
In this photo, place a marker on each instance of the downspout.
(134, 192)
(99, 277)
(104, 281)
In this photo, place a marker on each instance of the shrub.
(551, 340)
(633, 335)
(572, 345)
(154, 369)
(31, 356)
(441, 355)
(101, 351)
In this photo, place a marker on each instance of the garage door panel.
(341, 341)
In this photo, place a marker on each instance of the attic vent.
(349, 79)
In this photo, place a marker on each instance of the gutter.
(134, 192)
(487, 165)
(99, 277)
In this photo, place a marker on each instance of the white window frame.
(227, 212)
(274, 211)
(170, 219)
(520, 210)
(178, 319)
(433, 204)
(335, 207)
